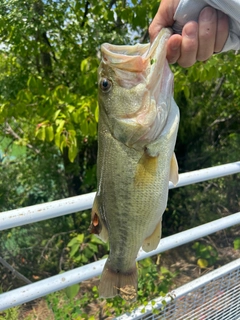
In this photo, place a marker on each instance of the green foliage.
(27, 179)
(84, 248)
(154, 280)
(208, 101)
(67, 308)
(45, 241)
(206, 254)
(10, 314)
(72, 291)
(236, 244)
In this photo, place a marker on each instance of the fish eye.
(105, 84)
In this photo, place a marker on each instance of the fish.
(137, 131)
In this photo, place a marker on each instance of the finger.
(163, 18)
(189, 44)
(222, 31)
(174, 48)
(207, 28)
(154, 28)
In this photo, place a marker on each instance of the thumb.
(163, 18)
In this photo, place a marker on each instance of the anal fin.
(151, 242)
(113, 283)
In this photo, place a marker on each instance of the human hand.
(199, 40)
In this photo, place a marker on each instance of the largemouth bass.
(138, 124)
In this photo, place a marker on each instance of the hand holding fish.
(198, 40)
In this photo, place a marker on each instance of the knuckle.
(203, 56)
(218, 47)
(173, 57)
(186, 61)
(190, 46)
(185, 64)
(172, 60)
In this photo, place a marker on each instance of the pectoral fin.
(146, 170)
(97, 226)
(151, 242)
(174, 170)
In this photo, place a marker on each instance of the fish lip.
(115, 56)
(140, 54)
(117, 51)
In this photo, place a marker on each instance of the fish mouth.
(139, 57)
(148, 61)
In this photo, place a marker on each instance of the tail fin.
(115, 283)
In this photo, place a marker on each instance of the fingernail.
(206, 14)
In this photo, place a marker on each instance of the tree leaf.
(49, 133)
(72, 291)
(96, 113)
(202, 263)
(41, 133)
(73, 241)
(74, 249)
(35, 84)
(72, 152)
(84, 65)
(236, 243)
(58, 139)
(84, 127)
(80, 238)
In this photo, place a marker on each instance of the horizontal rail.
(40, 212)
(44, 211)
(63, 280)
(181, 291)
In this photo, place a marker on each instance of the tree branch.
(85, 13)
(14, 272)
(51, 240)
(218, 87)
(144, 38)
(10, 131)
(111, 3)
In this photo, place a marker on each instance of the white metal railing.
(23, 216)
(214, 296)
(53, 209)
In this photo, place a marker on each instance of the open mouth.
(138, 57)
